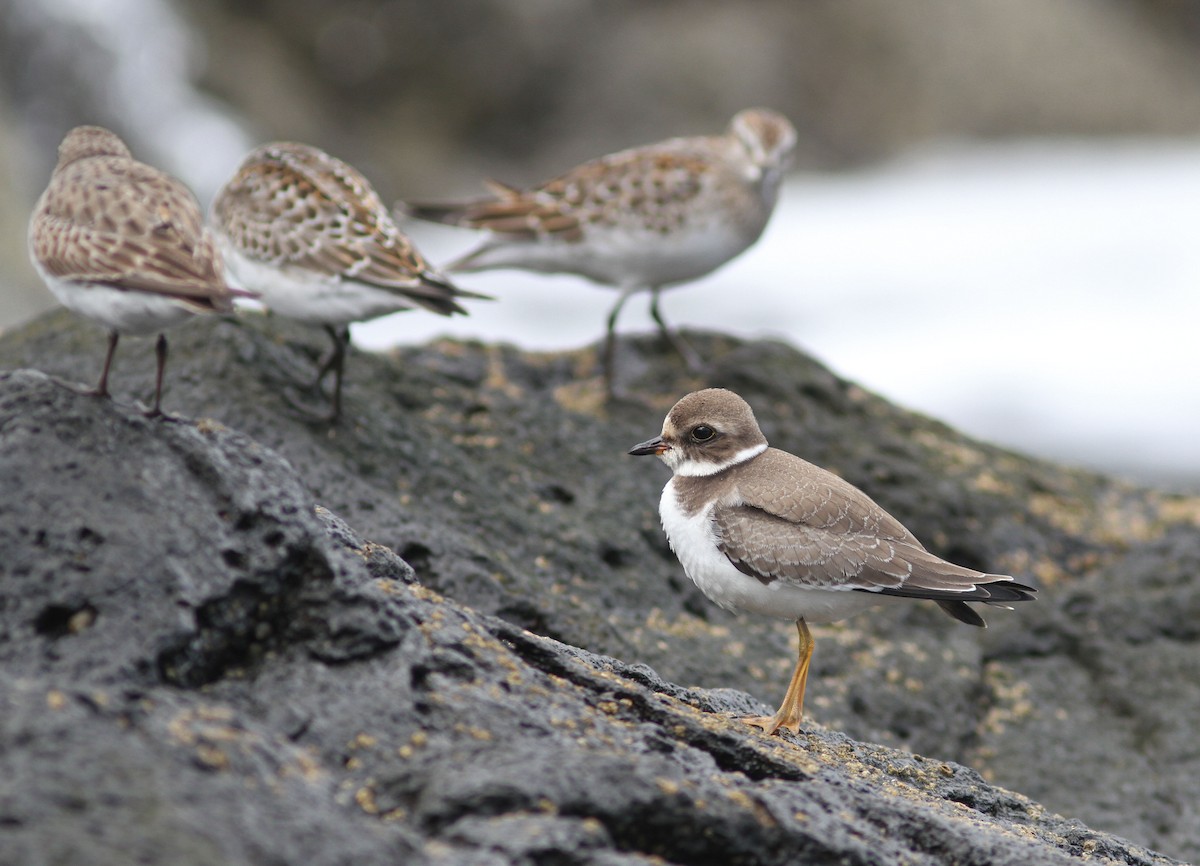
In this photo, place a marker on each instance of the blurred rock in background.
(424, 91)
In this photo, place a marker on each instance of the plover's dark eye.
(703, 433)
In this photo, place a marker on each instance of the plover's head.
(767, 136)
(707, 431)
(85, 141)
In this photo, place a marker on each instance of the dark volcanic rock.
(201, 666)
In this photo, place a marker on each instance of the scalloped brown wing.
(668, 175)
(291, 204)
(516, 215)
(799, 523)
(123, 223)
(801, 492)
(771, 548)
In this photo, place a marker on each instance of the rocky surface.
(214, 648)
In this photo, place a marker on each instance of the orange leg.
(791, 711)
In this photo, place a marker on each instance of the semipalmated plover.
(639, 220)
(124, 244)
(761, 530)
(311, 235)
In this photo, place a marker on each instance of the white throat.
(681, 465)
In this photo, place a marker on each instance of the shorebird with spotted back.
(310, 234)
(639, 220)
(124, 244)
(761, 530)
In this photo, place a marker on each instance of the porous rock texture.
(449, 630)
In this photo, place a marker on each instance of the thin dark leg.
(328, 362)
(610, 339)
(341, 339)
(685, 351)
(102, 385)
(160, 354)
(335, 361)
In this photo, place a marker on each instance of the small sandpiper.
(124, 244)
(311, 235)
(639, 220)
(761, 530)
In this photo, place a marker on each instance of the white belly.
(695, 543)
(125, 311)
(622, 256)
(310, 296)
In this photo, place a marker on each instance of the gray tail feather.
(962, 612)
(447, 213)
(435, 279)
(445, 300)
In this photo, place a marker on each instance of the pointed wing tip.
(1003, 588)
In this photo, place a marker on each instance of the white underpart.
(681, 465)
(126, 311)
(695, 543)
(621, 257)
(310, 296)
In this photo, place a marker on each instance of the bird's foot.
(771, 724)
(80, 389)
(156, 412)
